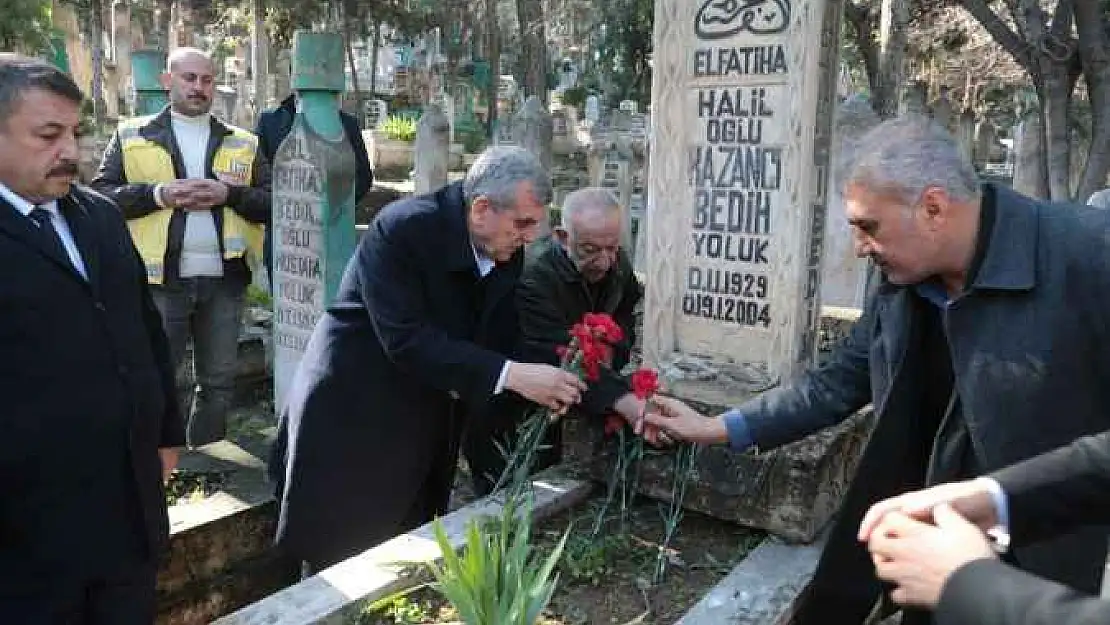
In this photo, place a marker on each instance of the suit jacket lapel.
(83, 229)
(500, 283)
(20, 228)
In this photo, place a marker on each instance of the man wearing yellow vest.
(196, 195)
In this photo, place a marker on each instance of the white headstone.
(844, 277)
(532, 130)
(742, 103)
(627, 106)
(593, 109)
(377, 111)
(431, 150)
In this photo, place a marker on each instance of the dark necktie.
(41, 218)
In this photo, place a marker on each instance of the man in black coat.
(983, 345)
(415, 345)
(580, 268)
(274, 125)
(89, 419)
(933, 544)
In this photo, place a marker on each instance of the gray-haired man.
(984, 344)
(580, 268)
(414, 346)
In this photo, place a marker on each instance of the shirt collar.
(22, 205)
(485, 263)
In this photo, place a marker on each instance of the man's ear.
(936, 203)
(166, 79)
(480, 209)
(561, 234)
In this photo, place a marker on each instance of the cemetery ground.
(607, 579)
(603, 579)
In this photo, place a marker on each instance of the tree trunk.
(96, 36)
(533, 40)
(346, 17)
(894, 18)
(163, 14)
(859, 17)
(259, 55)
(493, 32)
(1091, 25)
(374, 57)
(1055, 96)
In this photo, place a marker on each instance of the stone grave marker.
(431, 150)
(844, 277)
(741, 139)
(593, 109)
(627, 106)
(313, 203)
(532, 130)
(377, 111)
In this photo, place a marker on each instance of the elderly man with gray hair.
(416, 345)
(580, 268)
(985, 343)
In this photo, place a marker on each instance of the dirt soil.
(607, 579)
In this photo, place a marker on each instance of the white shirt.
(200, 247)
(485, 265)
(56, 219)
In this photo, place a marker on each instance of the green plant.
(498, 579)
(574, 96)
(399, 609)
(258, 298)
(400, 128)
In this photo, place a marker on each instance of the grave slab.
(339, 593)
(763, 589)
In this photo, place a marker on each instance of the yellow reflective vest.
(145, 161)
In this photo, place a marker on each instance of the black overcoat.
(88, 398)
(411, 348)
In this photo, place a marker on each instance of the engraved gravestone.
(740, 144)
(377, 111)
(313, 203)
(740, 140)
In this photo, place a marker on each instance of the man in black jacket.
(578, 269)
(89, 426)
(196, 195)
(933, 544)
(274, 125)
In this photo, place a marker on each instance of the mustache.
(65, 169)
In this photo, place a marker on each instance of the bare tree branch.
(1003, 34)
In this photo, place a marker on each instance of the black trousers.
(126, 598)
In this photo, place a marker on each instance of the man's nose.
(70, 148)
(862, 246)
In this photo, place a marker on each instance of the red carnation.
(603, 327)
(645, 383)
(581, 333)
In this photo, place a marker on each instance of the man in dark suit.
(933, 544)
(416, 344)
(580, 268)
(274, 125)
(983, 345)
(90, 423)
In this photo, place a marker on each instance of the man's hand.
(919, 558)
(681, 422)
(971, 499)
(176, 193)
(205, 194)
(168, 456)
(634, 410)
(546, 385)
